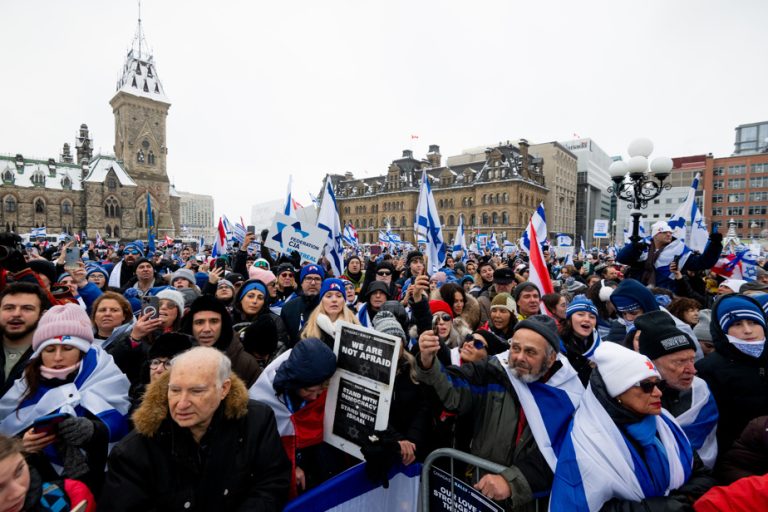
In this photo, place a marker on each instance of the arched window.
(66, 207)
(504, 218)
(108, 230)
(39, 206)
(495, 218)
(402, 221)
(38, 179)
(66, 183)
(472, 220)
(442, 221)
(485, 198)
(485, 219)
(140, 218)
(450, 220)
(111, 208)
(116, 232)
(393, 221)
(8, 176)
(10, 204)
(362, 224)
(150, 159)
(490, 198)
(140, 156)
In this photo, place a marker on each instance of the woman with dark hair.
(600, 293)
(112, 319)
(252, 300)
(68, 376)
(578, 336)
(685, 309)
(555, 304)
(463, 305)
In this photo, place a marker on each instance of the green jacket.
(483, 390)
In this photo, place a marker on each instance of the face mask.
(750, 348)
(626, 323)
(58, 373)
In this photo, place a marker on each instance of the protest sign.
(459, 496)
(360, 392)
(600, 229)
(290, 234)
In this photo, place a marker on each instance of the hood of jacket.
(631, 289)
(154, 408)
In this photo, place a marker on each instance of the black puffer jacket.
(738, 382)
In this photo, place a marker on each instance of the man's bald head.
(203, 360)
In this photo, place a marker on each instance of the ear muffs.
(605, 291)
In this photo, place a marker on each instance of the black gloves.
(716, 238)
(76, 431)
(381, 452)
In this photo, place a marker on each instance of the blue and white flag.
(460, 241)
(687, 223)
(238, 232)
(290, 207)
(493, 244)
(539, 223)
(582, 250)
(200, 245)
(350, 235)
(509, 247)
(699, 422)
(150, 226)
(564, 240)
(36, 232)
(428, 226)
(328, 219)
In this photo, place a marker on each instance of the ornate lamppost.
(635, 183)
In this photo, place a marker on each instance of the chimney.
(434, 156)
(523, 145)
(348, 176)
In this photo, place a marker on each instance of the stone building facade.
(87, 193)
(495, 193)
(560, 169)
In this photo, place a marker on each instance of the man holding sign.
(522, 402)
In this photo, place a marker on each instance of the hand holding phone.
(150, 305)
(71, 257)
(48, 424)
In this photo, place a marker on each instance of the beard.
(531, 376)
(15, 336)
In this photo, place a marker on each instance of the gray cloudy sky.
(260, 90)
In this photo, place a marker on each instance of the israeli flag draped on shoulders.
(549, 406)
(328, 219)
(597, 464)
(699, 422)
(99, 388)
(428, 226)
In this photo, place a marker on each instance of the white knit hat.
(174, 296)
(622, 368)
(660, 227)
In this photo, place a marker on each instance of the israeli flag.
(350, 235)
(687, 223)
(493, 244)
(428, 226)
(564, 240)
(328, 219)
(37, 232)
(539, 224)
(460, 241)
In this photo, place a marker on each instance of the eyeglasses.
(383, 273)
(286, 274)
(445, 317)
(313, 279)
(648, 386)
(479, 345)
(156, 363)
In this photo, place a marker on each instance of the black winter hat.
(496, 345)
(412, 255)
(377, 286)
(503, 275)
(660, 336)
(45, 268)
(169, 345)
(210, 303)
(544, 325)
(522, 287)
(261, 336)
(311, 362)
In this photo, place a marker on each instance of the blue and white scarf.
(362, 315)
(590, 352)
(99, 388)
(597, 463)
(549, 406)
(700, 422)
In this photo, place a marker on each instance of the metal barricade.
(478, 463)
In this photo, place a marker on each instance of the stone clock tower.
(140, 107)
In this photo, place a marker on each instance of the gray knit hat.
(702, 328)
(543, 325)
(385, 322)
(184, 273)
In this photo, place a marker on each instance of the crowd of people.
(170, 380)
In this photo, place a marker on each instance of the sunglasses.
(286, 274)
(445, 317)
(383, 273)
(648, 386)
(131, 251)
(479, 345)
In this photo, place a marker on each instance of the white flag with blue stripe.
(460, 241)
(564, 240)
(328, 219)
(428, 226)
(493, 244)
(350, 235)
(38, 232)
(687, 223)
(539, 223)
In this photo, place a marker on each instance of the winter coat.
(746, 495)
(410, 415)
(483, 390)
(16, 372)
(738, 382)
(748, 455)
(471, 313)
(245, 365)
(238, 465)
(295, 314)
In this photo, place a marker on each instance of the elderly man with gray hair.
(199, 444)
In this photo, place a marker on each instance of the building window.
(485, 219)
(758, 182)
(758, 168)
(111, 183)
(495, 218)
(735, 210)
(39, 206)
(140, 156)
(504, 217)
(717, 198)
(717, 211)
(108, 231)
(736, 183)
(718, 184)
(758, 210)
(66, 208)
(151, 158)
(38, 179)
(8, 176)
(758, 196)
(66, 183)
(736, 198)
(10, 204)
(735, 170)
(718, 171)
(116, 232)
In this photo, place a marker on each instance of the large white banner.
(290, 234)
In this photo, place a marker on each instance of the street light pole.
(633, 183)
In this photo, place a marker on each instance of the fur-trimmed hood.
(154, 407)
(471, 312)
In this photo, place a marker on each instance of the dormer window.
(111, 183)
(38, 179)
(8, 176)
(66, 183)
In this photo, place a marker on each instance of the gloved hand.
(76, 431)
(381, 451)
(14, 262)
(264, 233)
(716, 238)
(75, 462)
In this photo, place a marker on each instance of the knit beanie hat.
(762, 299)
(504, 301)
(261, 263)
(225, 282)
(385, 322)
(660, 336)
(252, 284)
(440, 306)
(311, 269)
(265, 276)
(543, 325)
(143, 260)
(67, 325)
(183, 273)
(175, 296)
(522, 287)
(701, 331)
(377, 286)
(170, 345)
(631, 295)
(580, 303)
(660, 227)
(311, 362)
(332, 285)
(411, 256)
(733, 284)
(260, 336)
(136, 244)
(496, 345)
(622, 368)
(95, 269)
(732, 308)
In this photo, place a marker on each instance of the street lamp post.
(633, 183)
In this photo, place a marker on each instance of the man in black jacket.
(199, 444)
(296, 311)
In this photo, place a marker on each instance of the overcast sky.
(260, 90)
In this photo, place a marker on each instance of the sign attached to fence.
(459, 496)
(360, 392)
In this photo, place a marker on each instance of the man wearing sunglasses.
(686, 396)
(125, 269)
(296, 311)
(496, 392)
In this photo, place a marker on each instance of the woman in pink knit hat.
(68, 376)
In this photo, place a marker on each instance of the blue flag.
(150, 225)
